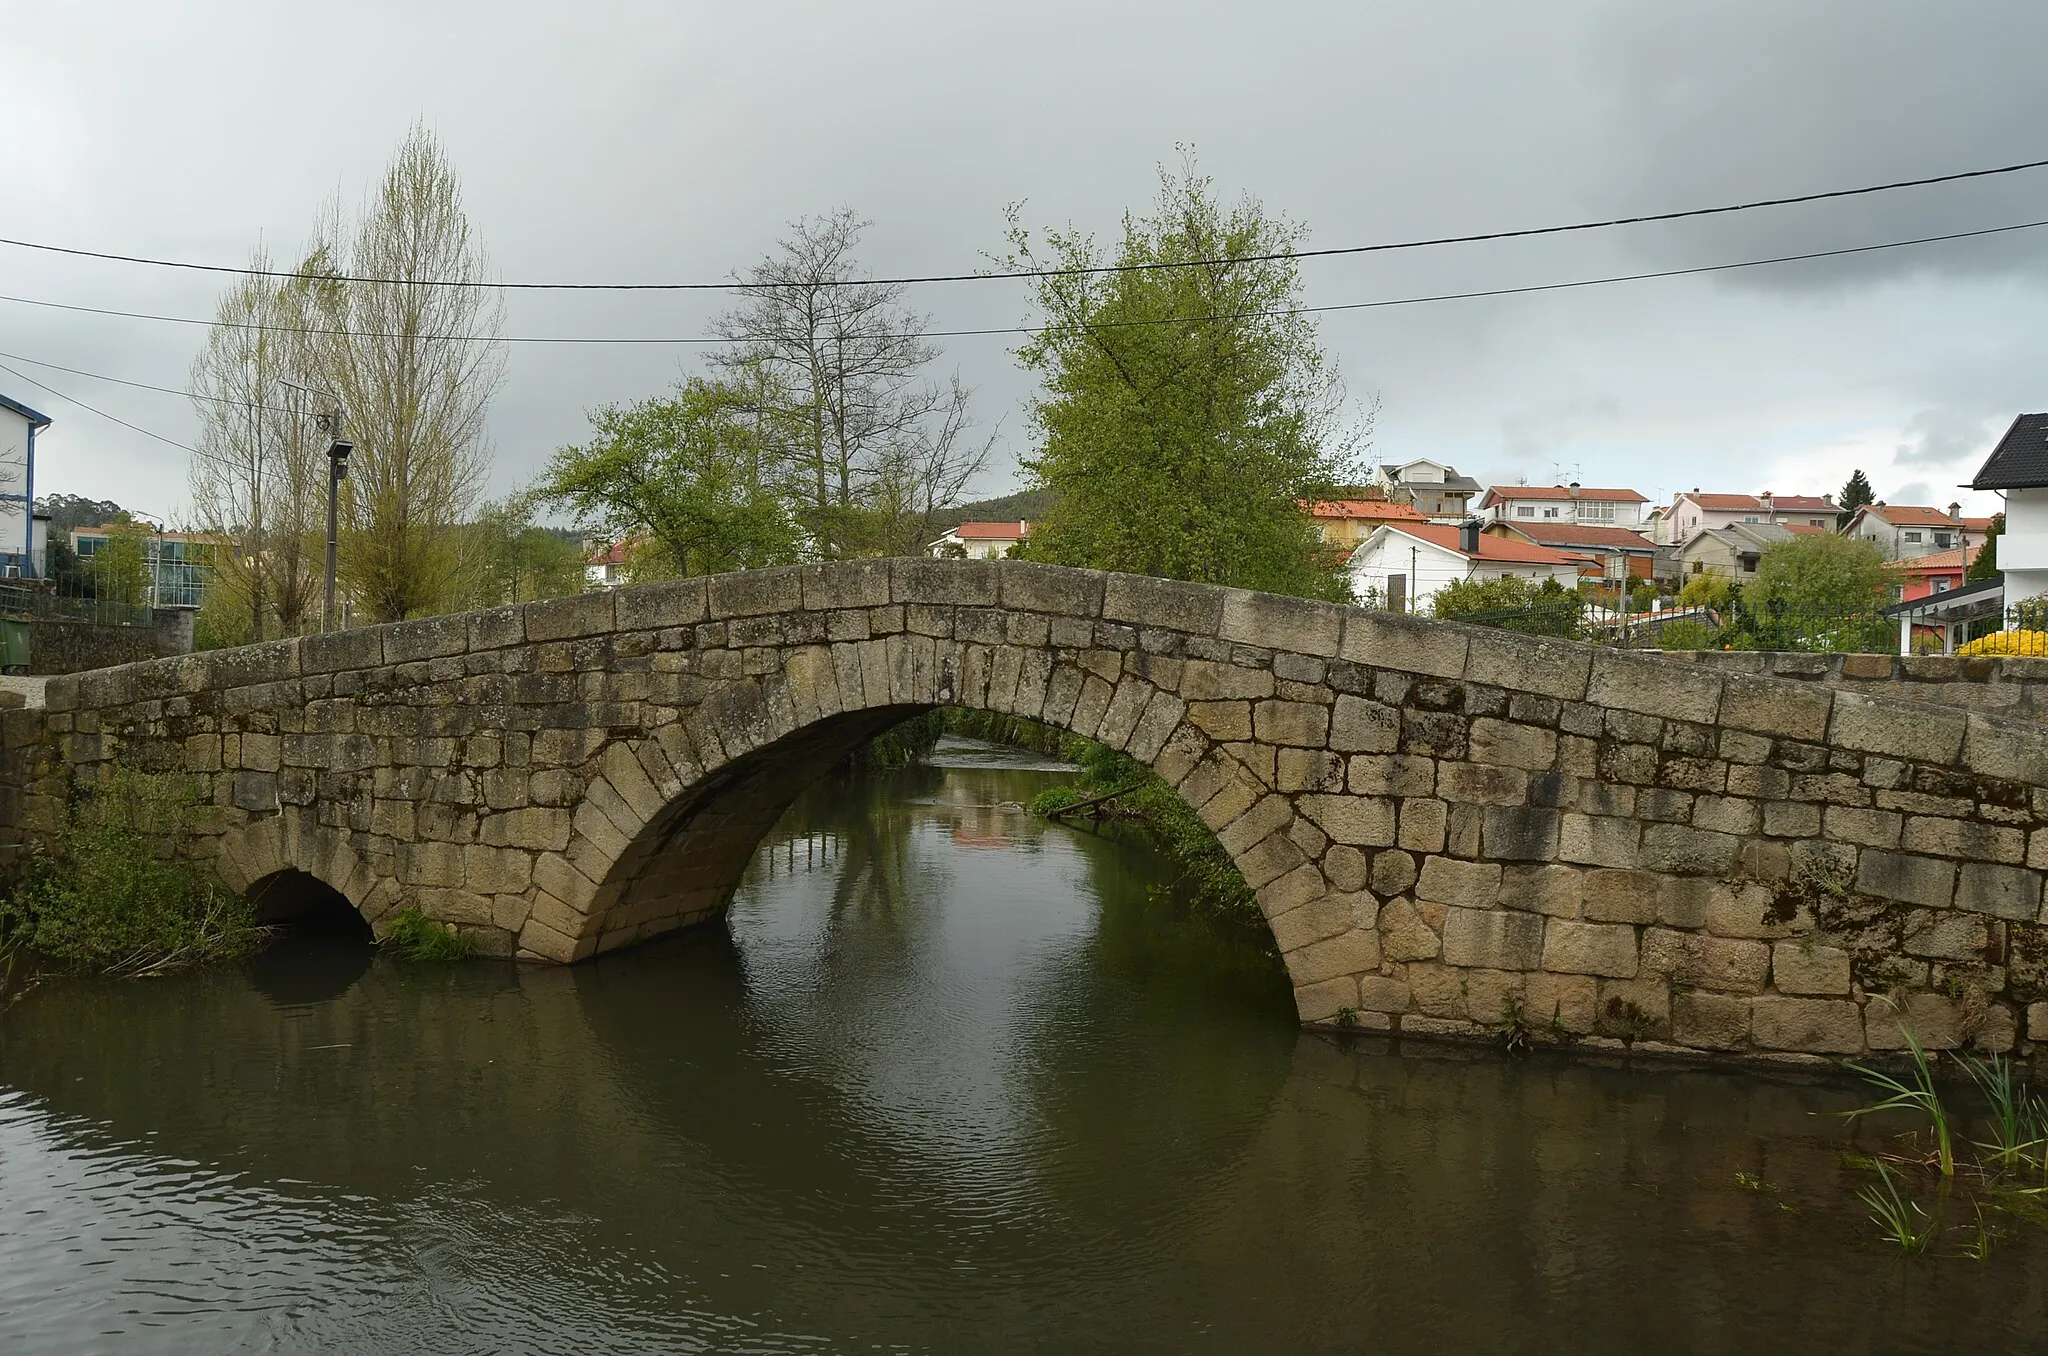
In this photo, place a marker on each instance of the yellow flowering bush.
(2033, 644)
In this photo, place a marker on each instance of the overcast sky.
(672, 141)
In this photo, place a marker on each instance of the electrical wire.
(1031, 273)
(146, 386)
(1268, 313)
(89, 409)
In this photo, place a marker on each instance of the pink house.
(1693, 512)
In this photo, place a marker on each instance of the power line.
(1030, 273)
(89, 409)
(1272, 313)
(146, 386)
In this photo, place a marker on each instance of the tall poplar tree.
(414, 364)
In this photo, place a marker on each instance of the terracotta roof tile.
(1506, 549)
(1597, 496)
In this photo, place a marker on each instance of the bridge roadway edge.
(1450, 830)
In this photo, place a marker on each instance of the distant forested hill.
(68, 511)
(1025, 506)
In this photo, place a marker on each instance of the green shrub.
(1686, 635)
(1054, 799)
(417, 937)
(102, 893)
(1208, 875)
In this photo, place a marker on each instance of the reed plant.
(1919, 1095)
(1901, 1219)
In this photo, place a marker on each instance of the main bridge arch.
(1445, 826)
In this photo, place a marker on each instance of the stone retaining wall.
(1450, 830)
(2011, 686)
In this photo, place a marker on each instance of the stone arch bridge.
(1449, 829)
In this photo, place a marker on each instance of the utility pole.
(337, 471)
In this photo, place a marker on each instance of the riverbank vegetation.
(1116, 788)
(96, 895)
(1970, 1181)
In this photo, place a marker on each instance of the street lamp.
(337, 471)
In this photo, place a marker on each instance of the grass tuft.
(417, 937)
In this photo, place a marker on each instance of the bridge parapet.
(1995, 684)
(1449, 829)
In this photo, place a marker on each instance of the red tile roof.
(1562, 492)
(1935, 562)
(1565, 534)
(992, 531)
(1508, 549)
(1751, 503)
(1919, 515)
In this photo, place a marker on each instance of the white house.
(1693, 512)
(1435, 490)
(2018, 470)
(1576, 505)
(1405, 564)
(1906, 531)
(980, 541)
(608, 566)
(23, 538)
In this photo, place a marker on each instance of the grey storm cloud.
(658, 140)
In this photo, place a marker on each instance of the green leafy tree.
(1820, 573)
(1183, 414)
(120, 568)
(517, 561)
(1984, 565)
(690, 473)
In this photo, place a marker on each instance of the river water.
(952, 1080)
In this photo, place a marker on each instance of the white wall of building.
(2022, 551)
(1427, 567)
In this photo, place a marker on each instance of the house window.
(1550, 513)
(1942, 585)
(1699, 566)
(1749, 517)
(1942, 541)
(1913, 537)
(1815, 522)
(1525, 511)
(1602, 512)
(1748, 562)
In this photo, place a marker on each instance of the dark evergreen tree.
(1984, 565)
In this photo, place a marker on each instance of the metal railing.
(20, 601)
(1733, 626)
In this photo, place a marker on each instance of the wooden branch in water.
(1091, 802)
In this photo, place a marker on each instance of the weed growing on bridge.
(417, 937)
(102, 893)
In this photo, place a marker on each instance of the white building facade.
(980, 541)
(1403, 566)
(2018, 470)
(1573, 505)
(24, 544)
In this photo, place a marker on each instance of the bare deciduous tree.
(414, 370)
(867, 446)
(256, 482)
